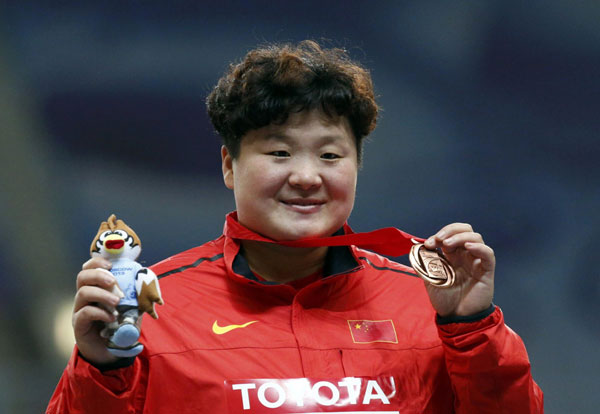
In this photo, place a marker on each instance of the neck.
(283, 264)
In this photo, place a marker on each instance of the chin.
(304, 232)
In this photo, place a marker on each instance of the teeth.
(301, 203)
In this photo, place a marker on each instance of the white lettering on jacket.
(304, 392)
(280, 395)
(373, 386)
(244, 388)
(353, 388)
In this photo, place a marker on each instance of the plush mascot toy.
(137, 286)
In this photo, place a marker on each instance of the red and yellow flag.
(365, 332)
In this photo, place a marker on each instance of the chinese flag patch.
(366, 332)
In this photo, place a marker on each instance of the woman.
(253, 323)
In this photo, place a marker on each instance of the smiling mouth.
(304, 206)
(303, 202)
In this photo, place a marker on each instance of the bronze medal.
(431, 266)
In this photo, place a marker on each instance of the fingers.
(86, 316)
(447, 233)
(95, 277)
(95, 295)
(485, 258)
(88, 295)
(458, 240)
(97, 262)
(461, 236)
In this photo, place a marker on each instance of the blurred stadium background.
(490, 116)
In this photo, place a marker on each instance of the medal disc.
(431, 266)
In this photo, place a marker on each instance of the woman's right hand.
(95, 287)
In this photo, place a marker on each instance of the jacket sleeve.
(488, 367)
(83, 388)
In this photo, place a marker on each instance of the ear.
(227, 166)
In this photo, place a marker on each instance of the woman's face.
(297, 179)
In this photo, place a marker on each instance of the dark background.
(490, 116)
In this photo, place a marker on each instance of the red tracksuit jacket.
(364, 338)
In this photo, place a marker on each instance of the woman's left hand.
(474, 263)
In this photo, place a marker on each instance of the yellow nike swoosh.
(220, 330)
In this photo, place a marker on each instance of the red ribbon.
(388, 241)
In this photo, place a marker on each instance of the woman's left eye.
(279, 153)
(330, 156)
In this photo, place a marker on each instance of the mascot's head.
(115, 240)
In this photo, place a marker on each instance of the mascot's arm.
(148, 291)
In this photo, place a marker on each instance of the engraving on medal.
(435, 269)
(431, 266)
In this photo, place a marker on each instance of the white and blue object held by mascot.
(137, 286)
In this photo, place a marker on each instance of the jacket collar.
(339, 259)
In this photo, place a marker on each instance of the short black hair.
(273, 81)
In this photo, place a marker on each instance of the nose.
(305, 176)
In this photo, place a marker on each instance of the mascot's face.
(117, 244)
(116, 240)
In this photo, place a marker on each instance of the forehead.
(302, 126)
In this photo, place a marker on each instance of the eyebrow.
(277, 137)
(325, 139)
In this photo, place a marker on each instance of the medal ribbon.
(388, 241)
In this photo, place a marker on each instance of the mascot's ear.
(103, 227)
(112, 222)
(121, 225)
